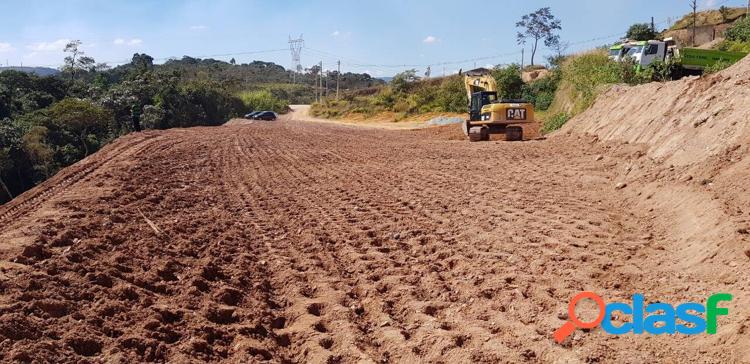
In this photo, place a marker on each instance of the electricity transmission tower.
(295, 45)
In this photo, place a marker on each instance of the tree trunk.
(83, 141)
(533, 50)
(5, 188)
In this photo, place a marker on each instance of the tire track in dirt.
(304, 242)
(74, 174)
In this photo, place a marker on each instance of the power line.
(360, 64)
(381, 67)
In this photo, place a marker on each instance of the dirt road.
(308, 242)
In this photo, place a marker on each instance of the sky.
(379, 37)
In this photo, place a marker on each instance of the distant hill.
(39, 71)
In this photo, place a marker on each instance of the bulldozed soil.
(294, 241)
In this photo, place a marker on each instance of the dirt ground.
(294, 241)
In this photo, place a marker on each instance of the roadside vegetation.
(569, 86)
(737, 37)
(408, 95)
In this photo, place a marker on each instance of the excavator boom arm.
(476, 82)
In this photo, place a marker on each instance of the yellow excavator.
(490, 115)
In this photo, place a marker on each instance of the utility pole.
(522, 51)
(694, 5)
(338, 77)
(320, 83)
(653, 26)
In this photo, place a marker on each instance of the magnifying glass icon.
(565, 330)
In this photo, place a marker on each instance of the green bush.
(734, 46)
(263, 100)
(739, 31)
(718, 66)
(79, 122)
(509, 82)
(662, 71)
(555, 122)
(541, 92)
(584, 76)
(588, 72)
(451, 96)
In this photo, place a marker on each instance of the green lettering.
(712, 311)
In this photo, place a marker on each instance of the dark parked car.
(265, 115)
(250, 115)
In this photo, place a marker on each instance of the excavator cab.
(479, 99)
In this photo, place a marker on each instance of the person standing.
(135, 114)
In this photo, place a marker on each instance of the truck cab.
(646, 52)
(618, 51)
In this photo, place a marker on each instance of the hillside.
(39, 71)
(691, 170)
(709, 17)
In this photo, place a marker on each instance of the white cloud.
(198, 27)
(130, 42)
(709, 4)
(6, 47)
(57, 45)
(336, 33)
(430, 39)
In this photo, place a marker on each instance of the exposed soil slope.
(695, 136)
(310, 242)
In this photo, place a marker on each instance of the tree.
(539, 25)
(70, 61)
(560, 48)
(509, 81)
(6, 163)
(77, 60)
(232, 61)
(37, 150)
(401, 80)
(641, 31)
(10, 153)
(724, 11)
(142, 62)
(83, 119)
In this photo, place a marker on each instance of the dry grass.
(709, 17)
